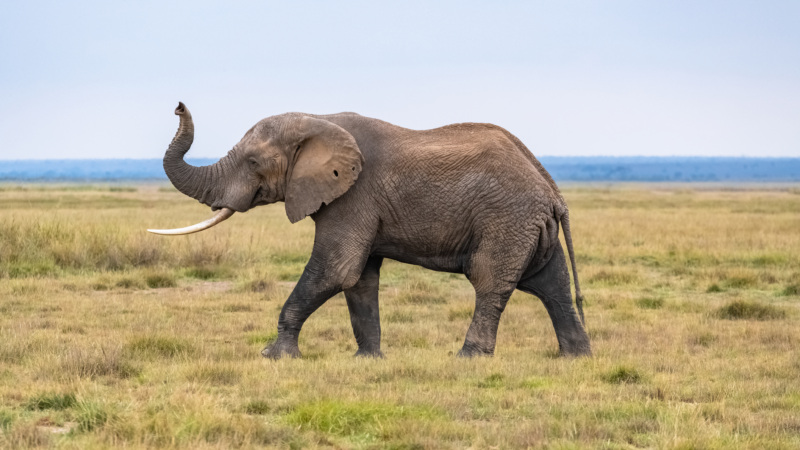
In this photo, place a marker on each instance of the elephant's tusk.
(221, 215)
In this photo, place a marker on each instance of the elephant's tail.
(568, 238)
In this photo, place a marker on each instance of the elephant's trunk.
(200, 183)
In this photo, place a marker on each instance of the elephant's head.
(301, 160)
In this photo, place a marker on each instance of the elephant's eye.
(253, 163)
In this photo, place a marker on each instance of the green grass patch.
(207, 272)
(747, 310)
(421, 292)
(7, 418)
(262, 338)
(419, 342)
(741, 282)
(714, 288)
(623, 375)
(537, 383)
(459, 314)
(399, 316)
(289, 273)
(131, 283)
(614, 277)
(257, 407)
(158, 346)
(31, 269)
(50, 400)
(237, 307)
(792, 289)
(354, 418)
(216, 375)
(290, 258)
(703, 339)
(650, 303)
(91, 415)
(768, 260)
(160, 280)
(99, 286)
(493, 381)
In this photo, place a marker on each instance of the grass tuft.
(614, 277)
(495, 380)
(459, 314)
(421, 292)
(792, 289)
(703, 339)
(206, 273)
(399, 316)
(96, 362)
(623, 375)
(741, 282)
(215, 375)
(131, 283)
(51, 400)
(746, 310)
(91, 415)
(158, 346)
(7, 418)
(262, 338)
(650, 303)
(257, 407)
(160, 280)
(237, 307)
(353, 418)
(714, 288)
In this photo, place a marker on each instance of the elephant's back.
(442, 190)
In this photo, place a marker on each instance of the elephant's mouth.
(260, 197)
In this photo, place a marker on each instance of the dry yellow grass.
(113, 337)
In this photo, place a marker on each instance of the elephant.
(466, 198)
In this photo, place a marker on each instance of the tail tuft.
(579, 303)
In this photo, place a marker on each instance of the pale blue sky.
(100, 79)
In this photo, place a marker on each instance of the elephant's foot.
(575, 346)
(575, 352)
(470, 351)
(277, 349)
(369, 353)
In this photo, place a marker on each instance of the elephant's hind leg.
(482, 334)
(362, 301)
(551, 285)
(492, 291)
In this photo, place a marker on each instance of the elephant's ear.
(326, 163)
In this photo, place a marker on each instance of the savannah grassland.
(110, 336)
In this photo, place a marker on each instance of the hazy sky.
(100, 79)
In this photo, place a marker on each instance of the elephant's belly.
(428, 256)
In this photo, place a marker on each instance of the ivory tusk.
(221, 215)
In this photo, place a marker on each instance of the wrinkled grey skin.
(466, 198)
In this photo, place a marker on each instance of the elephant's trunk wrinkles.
(200, 183)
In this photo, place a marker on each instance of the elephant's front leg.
(337, 262)
(362, 301)
(311, 292)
